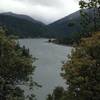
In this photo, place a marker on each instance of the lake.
(48, 66)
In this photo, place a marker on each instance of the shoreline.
(54, 41)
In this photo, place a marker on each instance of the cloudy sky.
(46, 11)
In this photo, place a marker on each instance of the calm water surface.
(49, 64)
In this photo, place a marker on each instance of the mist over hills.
(26, 17)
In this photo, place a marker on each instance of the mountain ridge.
(25, 25)
(23, 16)
(21, 25)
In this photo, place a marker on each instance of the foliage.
(57, 94)
(82, 71)
(72, 40)
(15, 68)
(90, 21)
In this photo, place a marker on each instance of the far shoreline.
(49, 41)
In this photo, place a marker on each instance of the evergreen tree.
(15, 68)
(90, 12)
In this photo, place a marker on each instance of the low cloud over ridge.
(46, 11)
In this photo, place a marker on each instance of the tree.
(15, 68)
(57, 94)
(82, 71)
(90, 12)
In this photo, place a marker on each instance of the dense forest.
(16, 67)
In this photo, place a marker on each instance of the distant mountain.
(21, 16)
(22, 25)
(25, 26)
(67, 26)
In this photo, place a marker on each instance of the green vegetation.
(57, 94)
(82, 70)
(85, 22)
(73, 40)
(90, 21)
(21, 26)
(15, 69)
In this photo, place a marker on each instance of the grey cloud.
(46, 11)
(45, 2)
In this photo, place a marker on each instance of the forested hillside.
(21, 25)
(70, 29)
(67, 28)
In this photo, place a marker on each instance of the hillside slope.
(65, 26)
(68, 25)
(21, 25)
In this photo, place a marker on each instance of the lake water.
(48, 66)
